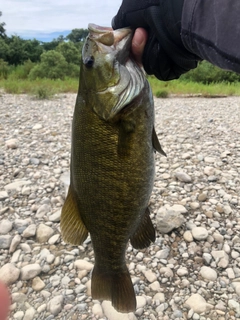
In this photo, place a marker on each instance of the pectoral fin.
(156, 143)
(72, 227)
(145, 233)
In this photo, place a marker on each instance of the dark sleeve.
(211, 30)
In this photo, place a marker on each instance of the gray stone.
(5, 241)
(44, 233)
(18, 315)
(234, 305)
(17, 185)
(43, 210)
(19, 297)
(15, 242)
(9, 274)
(20, 225)
(183, 177)
(55, 217)
(151, 276)
(168, 219)
(30, 271)
(29, 314)
(5, 226)
(30, 231)
(54, 239)
(55, 305)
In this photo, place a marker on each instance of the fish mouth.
(108, 36)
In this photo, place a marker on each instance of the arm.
(211, 30)
(182, 32)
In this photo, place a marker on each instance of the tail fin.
(116, 287)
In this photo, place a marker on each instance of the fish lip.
(118, 34)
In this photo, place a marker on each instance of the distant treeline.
(58, 59)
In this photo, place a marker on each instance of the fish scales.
(112, 163)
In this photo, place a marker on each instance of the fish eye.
(89, 62)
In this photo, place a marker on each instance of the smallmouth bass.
(112, 162)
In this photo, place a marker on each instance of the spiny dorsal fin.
(72, 227)
(156, 143)
(145, 233)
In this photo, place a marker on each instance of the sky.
(32, 18)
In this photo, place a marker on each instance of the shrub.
(4, 69)
(21, 71)
(53, 66)
(161, 94)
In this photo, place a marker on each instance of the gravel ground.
(192, 271)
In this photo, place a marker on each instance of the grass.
(45, 88)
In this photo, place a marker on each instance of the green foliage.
(69, 51)
(4, 49)
(208, 73)
(2, 29)
(53, 66)
(77, 35)
(21, 71)
(4, 69)
(43, 92)
(161, 94)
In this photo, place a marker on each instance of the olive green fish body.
(112, 163)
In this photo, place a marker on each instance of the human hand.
(159, 47)
(4, 302)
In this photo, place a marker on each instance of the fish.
(112, 162)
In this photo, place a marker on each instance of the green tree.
(34, 49)
(53, 65)
(69, 51)
(17, 54)
(77, 35)
(2, 29)
(4, 49)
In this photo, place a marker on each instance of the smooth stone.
(54, 239)
(5, 226)
(12, 143)
(37, 126)
(38, 284)
(151, 276)
(188, 236)
(234, 305)
(55, 217)
(112, 314)
(43, 210)
(166, 272)
(97, 310)
(17, 185)
(18, 315)
(159, 297)
(202, 197)
(208, 273)
(29, 314)
(55, 305)
(44, 233)
(141, 302)
(155, 286)
(30, 231)
(182, 272)
(15, 242)
(197, 303)
(9, 274)
(18, 297)
(5, 241)
(183, 177)
(30, 271)
(3, 195)
(199, 233)
(221, 257)
(20, 225)
(83, 265)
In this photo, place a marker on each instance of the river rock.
(9, 274)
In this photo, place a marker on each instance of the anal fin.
(72, 227)
(114, 286)
(156, 144)
(145, 233)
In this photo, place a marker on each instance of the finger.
(4, 301)
(138, 42)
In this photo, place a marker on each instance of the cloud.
(49, 16)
